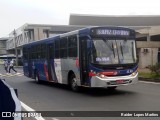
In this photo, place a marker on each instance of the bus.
(103, 57)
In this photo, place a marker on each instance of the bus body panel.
(25, 68)
(58, 70)
(39, 67)
(63, 67)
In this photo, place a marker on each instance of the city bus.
(103, 57)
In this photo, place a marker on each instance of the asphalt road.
(51, 97)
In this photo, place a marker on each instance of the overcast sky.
(15, 13)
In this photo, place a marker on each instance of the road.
(50, 97)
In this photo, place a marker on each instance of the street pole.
(15, 44)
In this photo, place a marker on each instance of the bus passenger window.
(72, 46)
(63, 47)
(57, 51)
(51, 51)
(43, 51)
(38, 51)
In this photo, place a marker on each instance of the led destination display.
(111, 32)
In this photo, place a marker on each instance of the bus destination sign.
(111, 32)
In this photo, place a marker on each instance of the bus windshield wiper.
(121, 49)
(113, 50)
(133, 56)
(109, 45)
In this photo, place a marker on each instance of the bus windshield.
(106, 51)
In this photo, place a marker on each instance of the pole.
(16, 50)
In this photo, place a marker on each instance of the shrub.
(155, 68)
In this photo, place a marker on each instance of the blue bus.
(91, 57)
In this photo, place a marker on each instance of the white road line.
(150, 82)
(2, 75)
(55, 119)
(27, 108)
(10, 75)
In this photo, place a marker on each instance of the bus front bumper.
(97, 81)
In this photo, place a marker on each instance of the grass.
(148, 75)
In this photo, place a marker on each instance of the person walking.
(6, 65)
(11, 66)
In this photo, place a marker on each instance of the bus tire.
(73, 83)
(37, 78)
(111, 88)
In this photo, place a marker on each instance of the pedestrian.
(6, 65)
(11, 66)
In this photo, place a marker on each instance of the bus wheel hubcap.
(74, 83)
(36, 79)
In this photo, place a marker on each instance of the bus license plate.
(120, 81)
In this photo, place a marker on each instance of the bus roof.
(46, 40)
(80, 31)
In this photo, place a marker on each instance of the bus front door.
(83, 60)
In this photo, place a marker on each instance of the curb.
(149, 79)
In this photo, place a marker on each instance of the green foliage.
(148, 75)
(155, 68)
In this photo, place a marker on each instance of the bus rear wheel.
(37, 78)
(111, 88)
(73, 83)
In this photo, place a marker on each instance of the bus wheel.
(37, 78)
(73, 84)
(111, 88)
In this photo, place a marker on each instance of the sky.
(15, 13)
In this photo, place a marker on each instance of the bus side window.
(57, 50)
(38, 51)
(51, 51)
(25, 53)
(63, 47)
(34, 52)
(30, 53)
(72, 46)
(43, 51)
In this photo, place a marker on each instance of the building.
(140, 21)
(148, 44)
(3, 50)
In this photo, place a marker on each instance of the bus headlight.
(93, 73)
(101, 75)
(134, 73)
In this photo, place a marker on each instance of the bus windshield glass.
(106, 51)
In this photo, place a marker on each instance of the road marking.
(150, 82)
(55, 119)
(10, 75)
(27, 108)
